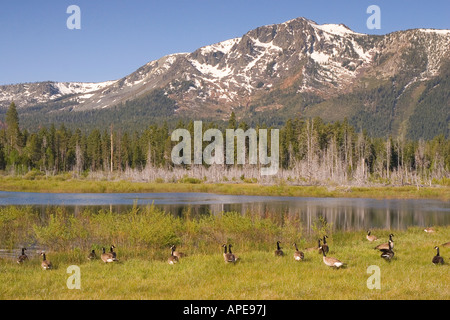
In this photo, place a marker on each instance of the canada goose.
(172, 259)
(325, 247)
(46, 265)
(234, 257)
(23, 257)
(107, 256)
(224, 246)
(387, 254)
(228, 257)
(279, 252)
(429, 230)
(331, 262)
(178, 254)
(437, 259)
(298, 255)
(111, 250)
(319, 246)
(447, 244)
(314, 248)
(92, 255)
(385, 246)
(370, 237)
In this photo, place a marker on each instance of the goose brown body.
(111, 250)
(178, 254)
(172, 258)
(319, 246)
(325, 247)
(385, 246)
(107, 257)
(92, 255)
(447, 244)
(437, 259)
(331, 262)
(314, 248)
(233, 256)
(45, 264)
(23, 257)
(298, 255)
(387, 254)
(279, 252)
(371, 237)
(228, 256)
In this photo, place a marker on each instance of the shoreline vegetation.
(65, 183)
(304, 152)
(143, 236)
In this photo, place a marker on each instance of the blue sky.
(118, 36)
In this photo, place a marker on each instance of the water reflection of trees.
(350, 217)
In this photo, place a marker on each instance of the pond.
(341, 213)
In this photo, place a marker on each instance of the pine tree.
(232, 123)
(12, 127)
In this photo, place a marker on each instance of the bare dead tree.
(112, 149)
(78, 159)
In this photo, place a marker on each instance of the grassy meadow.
(143, 236)
(65, 183)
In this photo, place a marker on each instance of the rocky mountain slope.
(296, 68)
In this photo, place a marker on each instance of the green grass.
(259, 275)
(142, 237)
(65, 183)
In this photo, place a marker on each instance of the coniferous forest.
(311, 152)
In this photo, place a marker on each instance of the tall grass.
(142, 228)
(16, 224)
(65, 183)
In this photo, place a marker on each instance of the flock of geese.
(386, 249)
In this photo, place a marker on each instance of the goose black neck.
(437, 252)
(43, 257)
(224, 248)
(278, 245)
(229, 248)
(324, 240)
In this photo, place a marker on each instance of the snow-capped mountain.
(297, 65)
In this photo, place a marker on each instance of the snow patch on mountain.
(444, 32)
(336, 29)
(224, 46)
(213, 71)
(320, 57)
(65, 88)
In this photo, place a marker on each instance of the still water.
(341, 213)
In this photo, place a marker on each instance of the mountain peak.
(298, 66)
(337, 29)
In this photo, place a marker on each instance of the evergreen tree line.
(310, 151)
